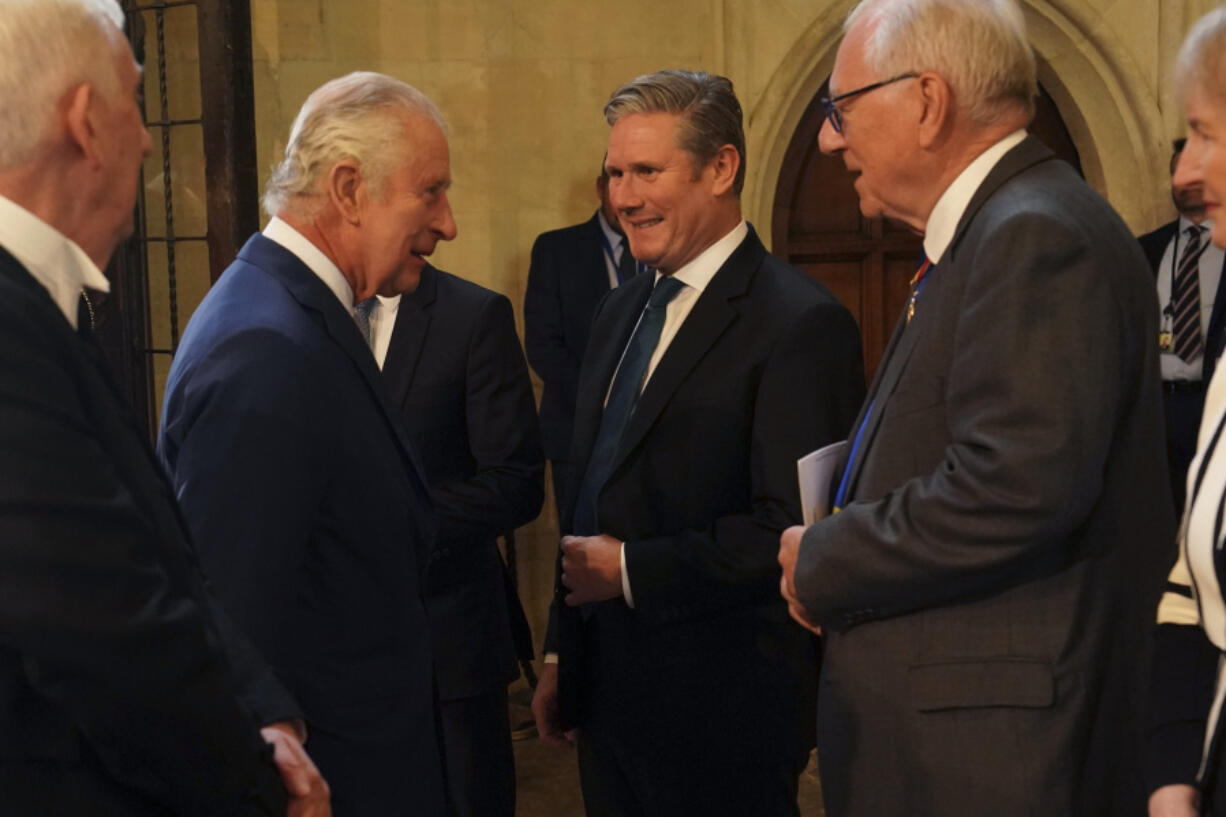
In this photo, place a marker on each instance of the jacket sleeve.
(104, 615)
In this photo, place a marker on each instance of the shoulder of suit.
(574, 232)
(1162, 234)
(453, 286)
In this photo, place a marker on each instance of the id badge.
(1164, 341)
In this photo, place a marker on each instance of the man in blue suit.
(310, 514)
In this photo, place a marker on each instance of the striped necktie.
(1189, 343)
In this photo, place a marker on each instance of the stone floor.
(548, 780)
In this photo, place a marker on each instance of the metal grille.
(197, 198)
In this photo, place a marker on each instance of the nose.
(830, 141)
(1189, 167)
(146, 142)
(622, 194)
(444, 222)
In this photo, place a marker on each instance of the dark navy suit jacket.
(568, 277)
(311, 519)
(119, 675)
(456, 374)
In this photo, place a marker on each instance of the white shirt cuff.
(626, 580)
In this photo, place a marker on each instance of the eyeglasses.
(831, 104)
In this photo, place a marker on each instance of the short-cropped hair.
(359, 117)
(1201, 64)
(978, 46)
(48, 47)
(710, 113)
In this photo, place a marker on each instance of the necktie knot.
(361, 314)
(665, 290)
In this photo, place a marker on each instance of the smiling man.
(986, 589)
(691, 691)
(309, 514)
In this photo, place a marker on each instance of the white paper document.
(815, 471)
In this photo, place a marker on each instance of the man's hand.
(1174, 800)
(308, 792)
(545, 708)
(591, 568)
(789, 550)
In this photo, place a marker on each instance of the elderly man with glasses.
(985, 588)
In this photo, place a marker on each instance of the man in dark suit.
(988, 584)
(124, 690)
(691, 690)
(310, 514)
(453, 367)
(1181, 255)
(572, 269)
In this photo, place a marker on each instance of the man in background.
(572, 269)
(455, 372)
(311, 516)
(124, 690)
(1188, 268)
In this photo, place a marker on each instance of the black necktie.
(623, 396)
(626, 266)
(1185, 299)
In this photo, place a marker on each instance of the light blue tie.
(361, 314)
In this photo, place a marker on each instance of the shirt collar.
(701, 269)
(943, 220)
(612, 236)
(319, 263)
(1185, 223)
(55, 260)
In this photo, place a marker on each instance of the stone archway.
(1110, 111)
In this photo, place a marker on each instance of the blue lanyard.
(841, 496)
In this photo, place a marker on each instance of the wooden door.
(867, 263)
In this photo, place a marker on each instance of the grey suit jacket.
(988, 589)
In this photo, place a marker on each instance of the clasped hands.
(789, 550)
(591, 568)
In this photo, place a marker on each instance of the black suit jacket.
(455, 371)
(1154, 245)
(311, 519)
(988, 591)
(566, 280)
(765, 369)
(118, 673)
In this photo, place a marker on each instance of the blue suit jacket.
(311, 519)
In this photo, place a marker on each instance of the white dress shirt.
(1173, 366)
(382, 322)
(51, 257)
(615, 240)
(281, 233)
(944, 218)
(696, 275)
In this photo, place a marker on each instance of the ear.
(346, 191)
(937, 106)
(81, 120)
(725, 165)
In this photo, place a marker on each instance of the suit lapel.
(408, 335)
(1214, 335)
(594, 277)
(711, 316)
(315, 298)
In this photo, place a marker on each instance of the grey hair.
(48, 47)
(978, 46)
(1201, 64)
(358, 117)
(710, 113)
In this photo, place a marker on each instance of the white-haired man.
(985, 588)
(310, 515)
(118, 674)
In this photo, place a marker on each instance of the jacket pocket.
(995, 682)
